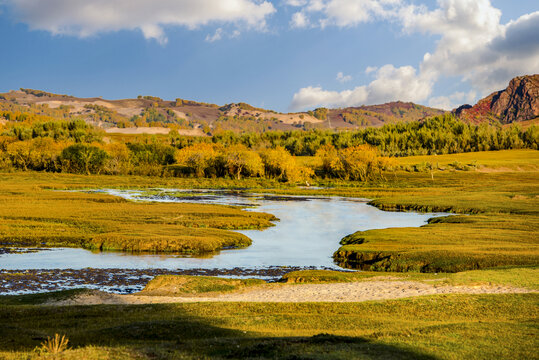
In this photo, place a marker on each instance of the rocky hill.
(378, 115)
(518, 102)
(194, 117)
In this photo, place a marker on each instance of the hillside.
(198, 118)
(378, 115)
(518, 102)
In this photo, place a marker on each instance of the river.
(307, 233)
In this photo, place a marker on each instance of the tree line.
(77, 147)
(442, 134)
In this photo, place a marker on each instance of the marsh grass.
(33, 215)
(503, 196)
(182, 285)
(501, 232)
(450, 244)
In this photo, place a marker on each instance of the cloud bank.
(472, 45)
(85, 18)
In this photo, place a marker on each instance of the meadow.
(492, 239)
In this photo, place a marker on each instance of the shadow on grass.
(169, 332)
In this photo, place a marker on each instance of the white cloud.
(216, 36)
(391, 83)
(311, 97)
(344, 13)
(370, 69)
(473, 45)
(343, 78)
(296, 2)
(452, 101)
(299, 20)
(84, 18)
(401, 83)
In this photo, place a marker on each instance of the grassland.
(498, 160)
(523, 277)
(503, 201)
(436, 327)
(180, 285)
(498, 232)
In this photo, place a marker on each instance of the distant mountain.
(199, 118)
(378, 115)
(518, 102)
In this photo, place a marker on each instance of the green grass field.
(494, 241)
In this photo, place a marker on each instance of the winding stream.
(307, 233)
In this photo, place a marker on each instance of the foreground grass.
(434, 327)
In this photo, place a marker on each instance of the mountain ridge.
(519, 102)
(188, 114)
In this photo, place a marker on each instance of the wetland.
(305, 236)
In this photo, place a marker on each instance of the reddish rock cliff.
(518, 102)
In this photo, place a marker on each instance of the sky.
(285, 55)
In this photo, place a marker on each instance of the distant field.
(508, 159)
(153, 131)
(138, 130)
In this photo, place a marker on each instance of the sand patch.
(339, 292)
(138, 130)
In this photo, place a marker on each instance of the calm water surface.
(307, 234)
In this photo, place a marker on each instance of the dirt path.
(341, 292)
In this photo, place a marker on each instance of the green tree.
(83, 159)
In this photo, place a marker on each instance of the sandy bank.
(340, 292)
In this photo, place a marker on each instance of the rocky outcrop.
(518, 102)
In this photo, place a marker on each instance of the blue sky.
(283, 54)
